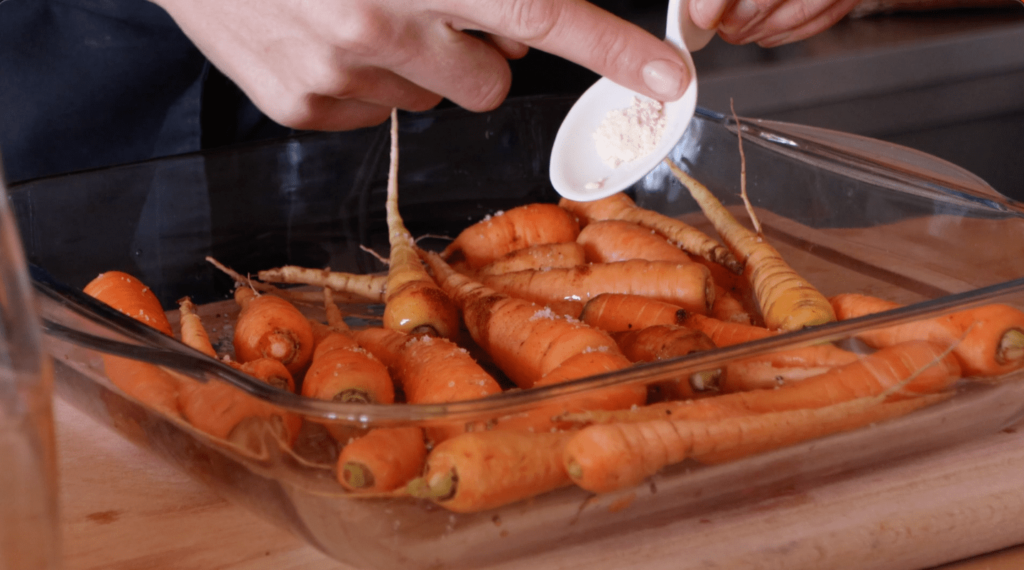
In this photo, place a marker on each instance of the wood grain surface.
(124, 508)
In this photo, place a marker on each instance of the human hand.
(343, 64)
(768, 23)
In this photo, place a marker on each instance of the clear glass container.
(850, 214)
(29, 526)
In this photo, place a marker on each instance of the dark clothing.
(91, 83)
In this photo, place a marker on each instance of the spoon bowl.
(577, 171)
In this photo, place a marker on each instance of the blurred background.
(942, 76)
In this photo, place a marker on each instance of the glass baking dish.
(850, 214)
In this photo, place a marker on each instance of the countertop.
(124, 508)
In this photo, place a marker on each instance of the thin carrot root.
(271, 327)
(987, 340)
(413, 303)
(607, 457)
(346, 286)
(383, 460)
(787, 301)
(511, 230)
(724, 333)
(193, 334)
(477, 471)
(621, 207)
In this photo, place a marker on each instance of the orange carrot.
(508, 231)
(724, 333)
(660, 342)
(787, 301)
(621, 207)
(616, 312)
(382, 460)
(224, 411)
(342, 371)
(412, 300)
(431, 370)
(540, 256)
(987, 340)
(484, 470)
(776, 368)
(728, 307)
(542, 417)
(144, 382)
(605, 241)
(268, 326)
(525, 340)
(130, 296)
(607, 457)
(905, 370)
(685, 284)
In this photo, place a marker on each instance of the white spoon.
(577, 171)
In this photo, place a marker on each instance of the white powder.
(628, 134)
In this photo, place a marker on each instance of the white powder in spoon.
(628, 134)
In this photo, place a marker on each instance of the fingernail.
(666, 79)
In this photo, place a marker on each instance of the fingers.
(589, 36)
(707, 13)
(818, 24)
(780, 21)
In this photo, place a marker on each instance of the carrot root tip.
(437, 488)
(574, 470)
(1011, 347)
(706, 380)
(353, 396)
(357, 475)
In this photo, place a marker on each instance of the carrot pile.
(545, 294)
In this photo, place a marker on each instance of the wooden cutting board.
(124, 508)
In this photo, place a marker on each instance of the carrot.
(660, 342)
(728, 307)
(525, 340)
(621, 207)
(343, 371)
(348, 286)
(617, 312)
(987, 340)
(268, 326)
(787, 301)
(724, 333)
(905, 370)
(484, 470)
(144, 382)
(412, 300)
(685, 284)
(540, 256)
(605, 241)
(383, 460)
(542, 417)
(431, 370)
(131, 297)
(193, 334)
(776, 368)
(607, 457)
(511, 230)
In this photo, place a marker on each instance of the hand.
(768, 23)
(343, 64)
